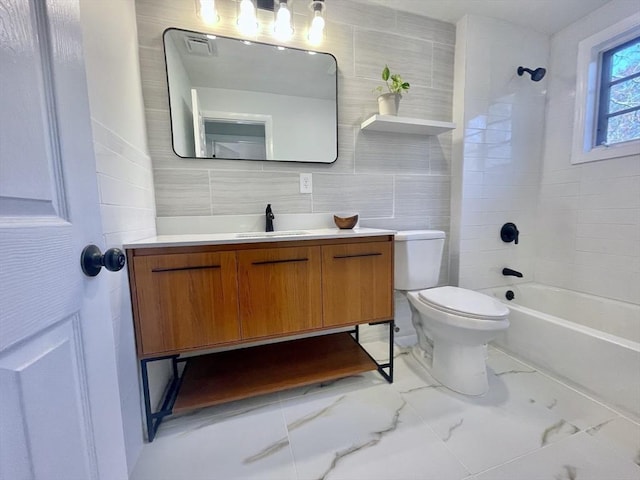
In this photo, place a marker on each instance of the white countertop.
(190, 240)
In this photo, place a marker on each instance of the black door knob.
(92, 260)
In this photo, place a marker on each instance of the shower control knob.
(509, 233)
(92, 260)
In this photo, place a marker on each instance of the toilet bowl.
(460, 323)
(453, 324)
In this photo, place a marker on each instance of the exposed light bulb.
(282, 28)
(247, 20)
(207, 11)
(316, 30)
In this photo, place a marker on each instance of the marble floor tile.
(371, 433)
(527, 427)
(620, 435)
(523, 411)
(579, 457)
(251, 444)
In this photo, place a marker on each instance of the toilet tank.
(418, 255)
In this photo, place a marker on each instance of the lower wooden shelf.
(236, 374)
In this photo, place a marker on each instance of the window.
(607, 113)
(619, 102)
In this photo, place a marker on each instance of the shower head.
(536, 75)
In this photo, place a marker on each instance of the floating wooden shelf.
(236, 374)
(414, 126)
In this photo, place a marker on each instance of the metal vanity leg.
(388, 376)
(153, 419)
(381, 366)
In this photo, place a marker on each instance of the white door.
(59, 402)
(199, 134)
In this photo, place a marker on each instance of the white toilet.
(453, 324)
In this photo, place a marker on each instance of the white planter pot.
(388, 103)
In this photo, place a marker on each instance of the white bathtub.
(590, 341)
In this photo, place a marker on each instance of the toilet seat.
(463, 302)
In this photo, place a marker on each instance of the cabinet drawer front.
(280, 291)
(357, 283)
(186, 301)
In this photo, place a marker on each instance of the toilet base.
(461, 369)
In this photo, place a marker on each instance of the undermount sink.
(282, 233)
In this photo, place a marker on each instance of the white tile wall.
(128, 213)
(499, 149)
(124, 175)
(589, 217)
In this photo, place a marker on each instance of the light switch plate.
(306, 183)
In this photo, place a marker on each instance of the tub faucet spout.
(269, 216)
(513, 273)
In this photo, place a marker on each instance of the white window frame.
(587, 88)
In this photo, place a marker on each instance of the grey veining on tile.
(452, 428)
(410, 58)
(562, 426)
(377, 437)
(369, 195)
(270, 450)
(569, 472)
(182, 192)
(313, 415)
(513, 371)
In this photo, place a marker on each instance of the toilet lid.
(464, 302)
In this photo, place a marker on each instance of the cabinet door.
(186, 301)
(357, 283)
(280, 291)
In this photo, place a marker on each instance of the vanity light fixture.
(247, 19)
(283, 21)
(316, 27)
(206, 10)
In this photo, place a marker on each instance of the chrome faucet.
(513, 273)
(269, 216)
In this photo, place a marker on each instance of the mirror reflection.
(233, 99)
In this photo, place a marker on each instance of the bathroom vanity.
(245, 295)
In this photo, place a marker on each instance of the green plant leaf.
(406, 85)
(385, 73)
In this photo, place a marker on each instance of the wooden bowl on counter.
(345, 222)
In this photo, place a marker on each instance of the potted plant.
(389, 102)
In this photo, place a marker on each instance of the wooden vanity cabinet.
(185, 301)
(196, 297)
(279, 290)
(357, 283)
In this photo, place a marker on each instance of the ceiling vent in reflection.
(200, 46)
